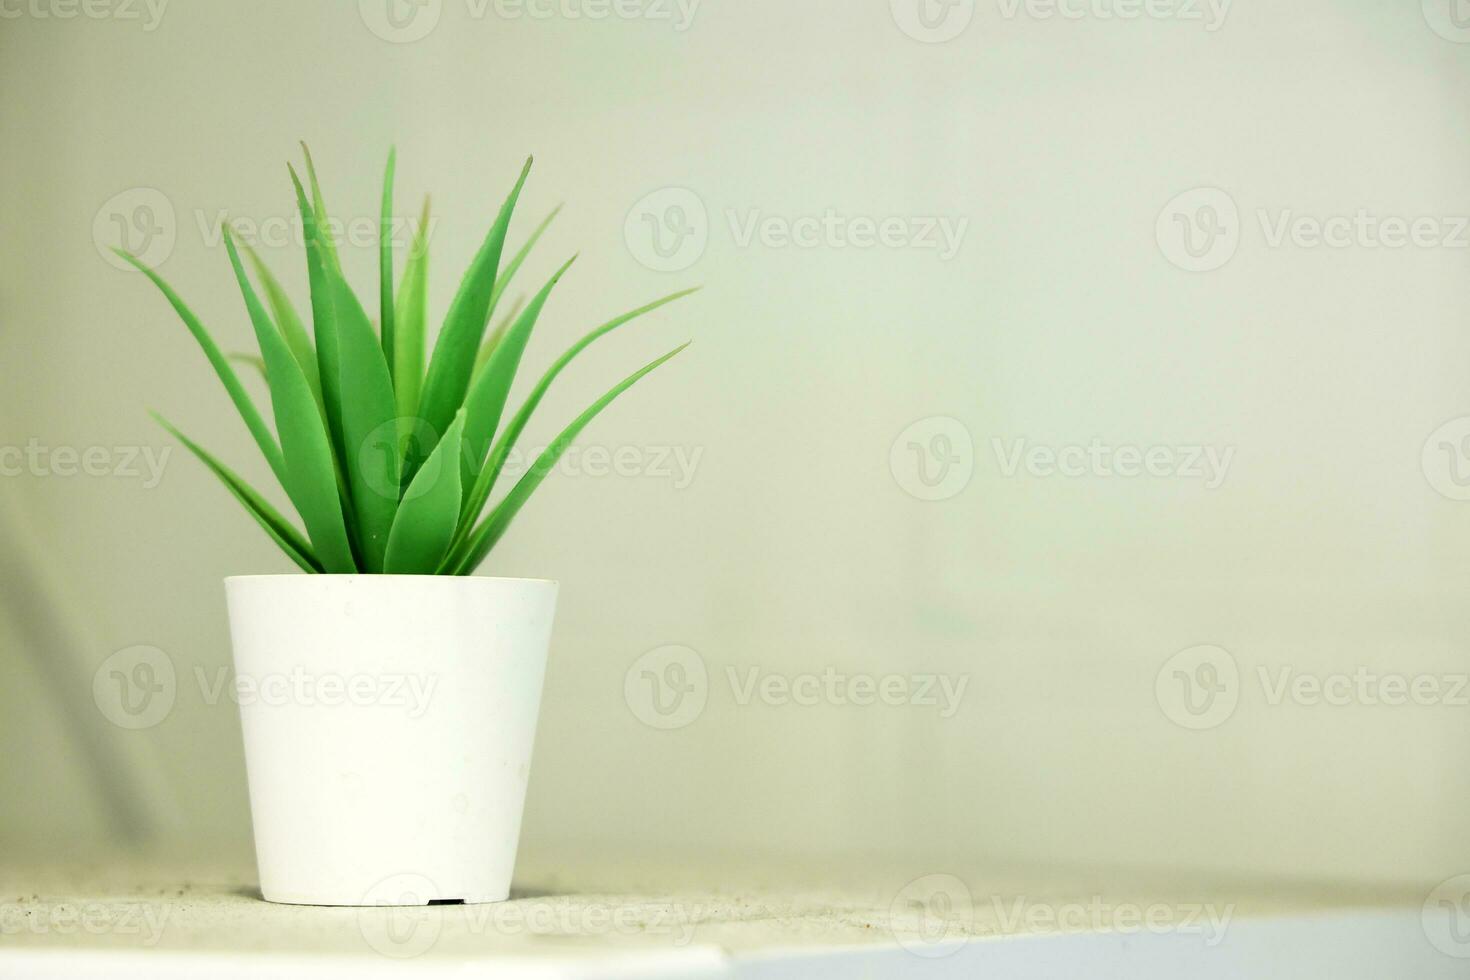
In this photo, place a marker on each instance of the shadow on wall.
(48, 633)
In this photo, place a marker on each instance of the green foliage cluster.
(390, 462)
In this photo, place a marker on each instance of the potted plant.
(388, 699)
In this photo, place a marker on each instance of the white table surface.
(720, 918)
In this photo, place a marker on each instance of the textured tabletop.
(722, 918)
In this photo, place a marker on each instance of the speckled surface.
(646, 916)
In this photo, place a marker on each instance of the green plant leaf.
(453, 360)
(409, 322)
(311, 481)
(319, 207)
(486, 401)
(427, 517)
(254, 361)
(497, 333)
(466, 558)
(288, 322)
(321, 273)
(286, 537)
(251, 415)
(506, 440)
(385, 265)
(372, 456)
(509, 272)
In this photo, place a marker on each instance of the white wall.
(796, 548)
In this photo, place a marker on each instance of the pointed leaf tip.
(468, 552)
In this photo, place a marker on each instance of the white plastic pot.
(388, 723)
